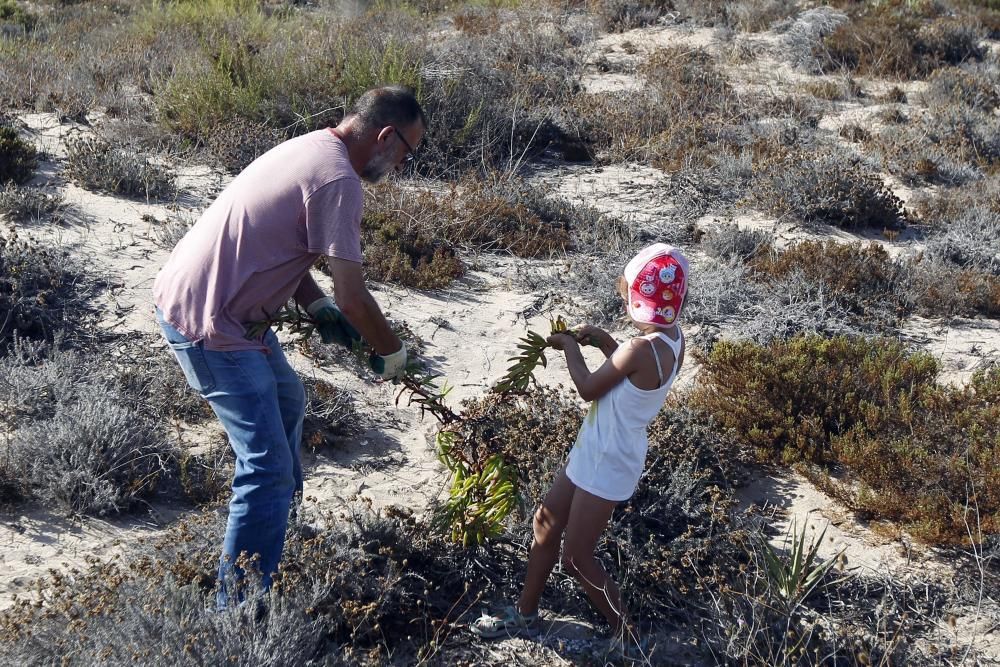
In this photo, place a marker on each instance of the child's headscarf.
(657, 283)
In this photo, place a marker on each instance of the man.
(246, 256)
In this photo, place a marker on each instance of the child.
(605, 464)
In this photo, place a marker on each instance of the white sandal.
(511, 623)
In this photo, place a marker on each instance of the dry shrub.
(966, 135)
(730, 241)
(686, 114)
(874, 408)
(678, 515)
(97, 164)
(969, 239)
(368, 591)
(238, 142)
(863, 278)
(534, 432)
(828, 187)
(39, 288)
(803, 36)
(27, 204)
(330, 414)
(939, 148)
(937, 288)
(746, 15)
(950, 204)
(901, 39)
(411, 234)
(477, 20)
(498, 99)
(84, 434)
(975, 87)
(18, 158)
(854, 133)
(623, 15)
(15, 18)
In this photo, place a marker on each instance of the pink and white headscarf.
(657, 284)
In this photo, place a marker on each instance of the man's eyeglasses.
(410, 152)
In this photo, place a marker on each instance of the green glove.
(333, 327)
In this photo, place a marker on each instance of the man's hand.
(390, 366)
(333, 327)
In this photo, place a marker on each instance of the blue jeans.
(261, 403)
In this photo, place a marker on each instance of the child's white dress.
(610, 450)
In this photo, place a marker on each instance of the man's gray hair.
(388, 105)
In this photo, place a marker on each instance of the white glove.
(390, 366)
(320, 304)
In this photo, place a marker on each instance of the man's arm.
(358, 305)
(308, 291)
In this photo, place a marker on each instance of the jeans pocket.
(191, 357)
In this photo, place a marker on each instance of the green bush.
(12, 13)
(18, 159)
(913, 451)
(409, 257)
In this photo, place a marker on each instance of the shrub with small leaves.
(409, 257)
(874, 407)
(18, 158)
(98, 165)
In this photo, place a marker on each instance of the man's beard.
(377, 167)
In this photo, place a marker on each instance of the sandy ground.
(469, 331)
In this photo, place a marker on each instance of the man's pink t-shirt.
(246, 255)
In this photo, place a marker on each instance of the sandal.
(511, 623)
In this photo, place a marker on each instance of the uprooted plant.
(484, 486)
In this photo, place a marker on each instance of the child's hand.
(588, 334)
(561, 341)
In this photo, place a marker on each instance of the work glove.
(333, 327)
(389, 366)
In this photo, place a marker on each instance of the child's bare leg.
(588, 518)
(547, 527)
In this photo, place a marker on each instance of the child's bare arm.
(594, 385)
